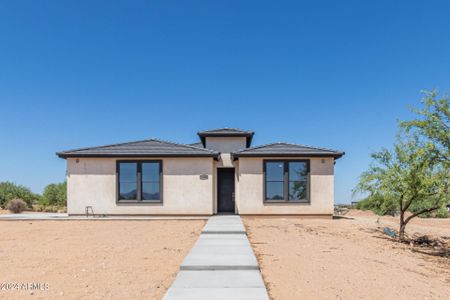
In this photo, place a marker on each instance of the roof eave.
(222, 134)
(67, 155)
(235, 156)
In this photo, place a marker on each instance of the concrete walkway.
(221, 265)
(34, 216)
(27, 216)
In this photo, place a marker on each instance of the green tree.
(407, 179)
(10, 190)
(414, 176)
(433, 125)
(55, 194)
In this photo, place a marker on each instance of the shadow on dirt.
(342, 217)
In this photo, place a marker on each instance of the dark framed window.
(139, 181)
(286, 180)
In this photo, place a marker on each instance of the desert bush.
(49, 208)
(38, 207)
(54, 194)
(16, 206)
(378, 205)
(9, 191)
(439, 213)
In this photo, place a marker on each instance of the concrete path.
(224, 225)
(65, 217)
(34, 216)
(221, 265)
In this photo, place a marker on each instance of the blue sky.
(336, 74)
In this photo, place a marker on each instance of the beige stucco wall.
(92, 182)
(225, 144)
(249, 189)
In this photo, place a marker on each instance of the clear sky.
(336, 74)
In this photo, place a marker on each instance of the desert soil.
(94, 259)
(347, 258)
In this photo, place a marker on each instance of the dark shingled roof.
(198, 144)
(145, 148)
(226, 132)
(286, 150)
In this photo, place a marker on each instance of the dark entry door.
(225, 190)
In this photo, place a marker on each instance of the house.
(223, 173)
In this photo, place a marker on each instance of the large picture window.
(139, 181)
(286, 181)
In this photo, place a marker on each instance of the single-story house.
(223, 173)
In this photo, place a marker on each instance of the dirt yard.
(94, 259)
(347, 258)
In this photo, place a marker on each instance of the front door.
(225, 190)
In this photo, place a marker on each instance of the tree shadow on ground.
(431, 251)
(342, 217)
(435, 247)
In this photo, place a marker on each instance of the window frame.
(286, 181)
(139, 190)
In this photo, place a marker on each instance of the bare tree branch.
(420, 212)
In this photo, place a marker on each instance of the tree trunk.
(403, 221)
(401, 232)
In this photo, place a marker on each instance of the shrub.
(441, 213)
(49, 209)
(9, 191)
(16, 206)
(378, 205)
(54, 194)
(38, 207)
(438, 213)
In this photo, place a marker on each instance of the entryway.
(225, 190)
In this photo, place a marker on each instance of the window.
(275, 180)
(286, 181)
(128, 185)
(139, 181)
(150, 180)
